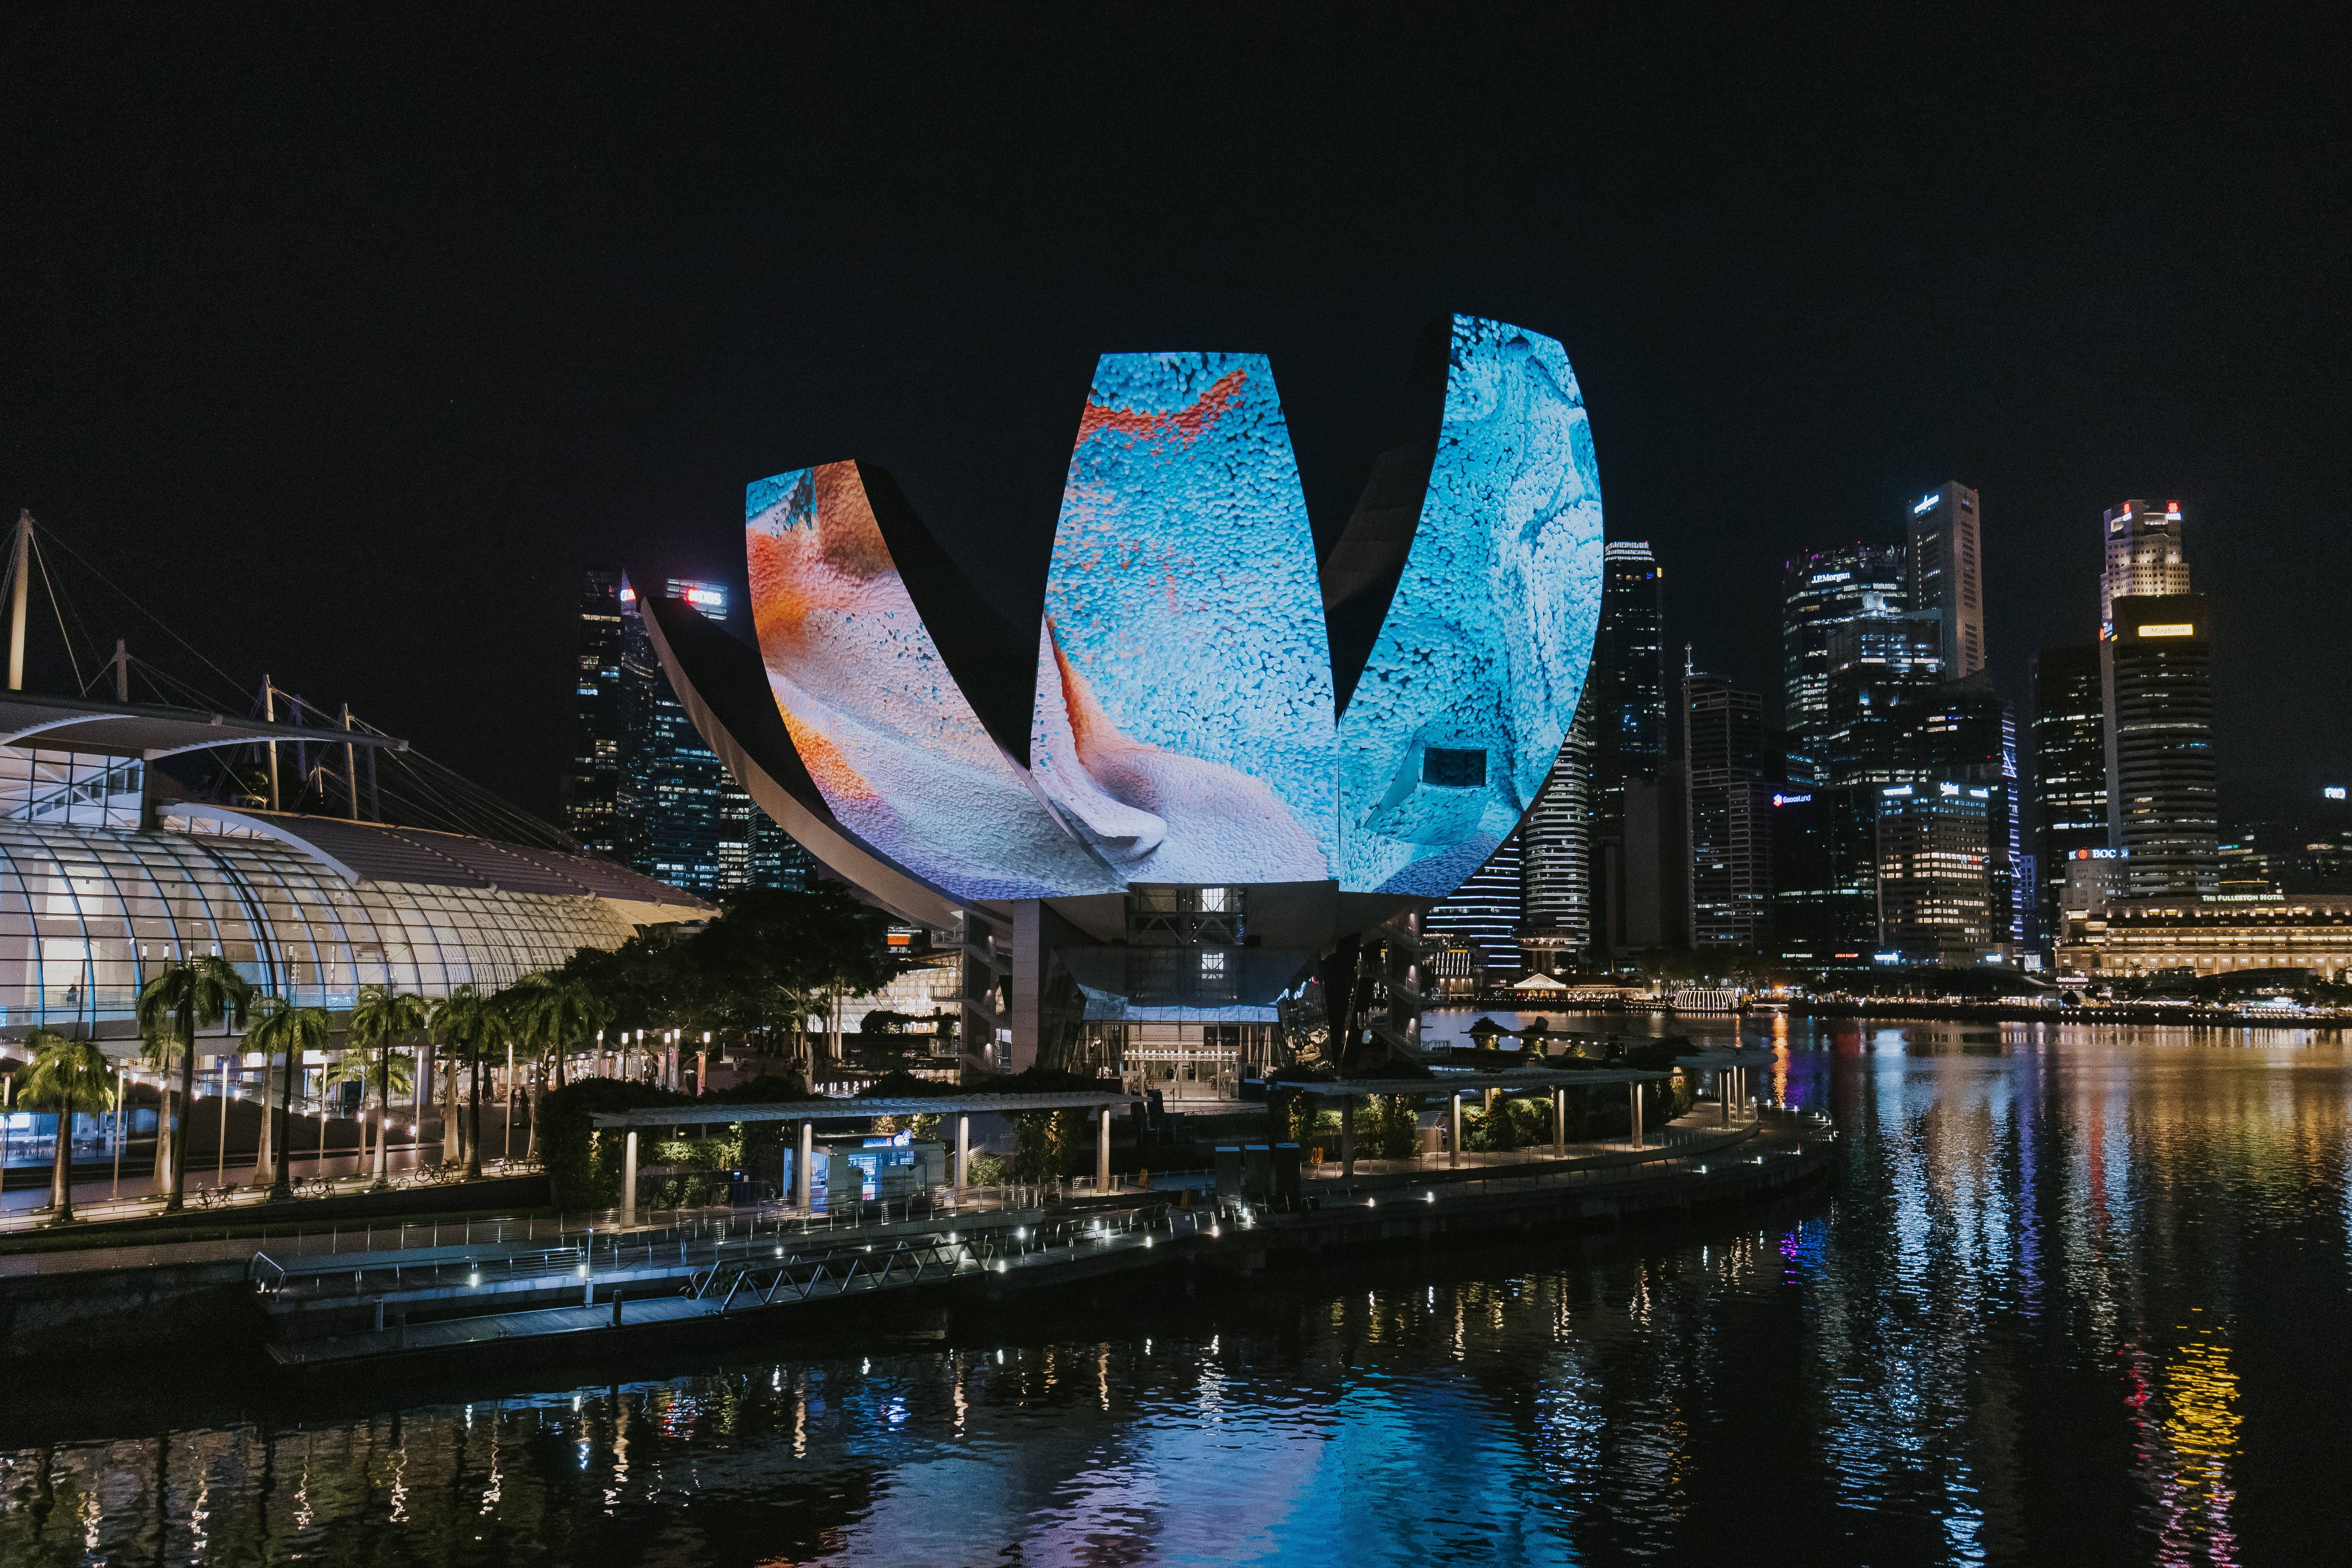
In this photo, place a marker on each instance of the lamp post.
(121, 1097)
(506, 1137)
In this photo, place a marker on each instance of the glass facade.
(86, 913)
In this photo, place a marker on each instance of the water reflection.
(2074, 1297)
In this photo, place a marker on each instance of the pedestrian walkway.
(26, 1203)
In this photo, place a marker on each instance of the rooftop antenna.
(16, 568)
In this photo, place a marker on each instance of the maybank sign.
(1927, 504)
(2168, 629)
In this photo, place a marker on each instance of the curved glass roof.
(88, 912)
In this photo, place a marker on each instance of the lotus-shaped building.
(1212, 760)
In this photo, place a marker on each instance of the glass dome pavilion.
(102, 882)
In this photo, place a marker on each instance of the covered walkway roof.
(1465, 1082)
(144, 729)
(858, 1109)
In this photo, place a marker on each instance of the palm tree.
(470, 1024)
(380, 1015)
(282, 1026)
(567, 1009)
(185, 996)
(155, 1051)
(549, 1012)
(353, 1067)
(66, 1075)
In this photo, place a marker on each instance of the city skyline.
(500, 368)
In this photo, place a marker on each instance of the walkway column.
(1454, 1146)
(1559, 1120)
(1102, 1151)
(1633, 1093)
(629, 1177)
(1347, 1138)
(964, 1152)
(802, 1187)
(1723, 1092)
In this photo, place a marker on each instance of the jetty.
(710, 1279)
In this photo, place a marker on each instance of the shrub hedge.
(583, 1167)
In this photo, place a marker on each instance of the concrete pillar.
(1723, 1092)
(1028, 976)
(1454, 1144)
(1558, 1120)
(1102, 1151)
(1347, 1138)
(964, 1152)
(629, 1177)
(802, 1186)
(1633, 1094)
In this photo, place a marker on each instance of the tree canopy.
(770, 959)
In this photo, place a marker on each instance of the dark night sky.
(345, 345)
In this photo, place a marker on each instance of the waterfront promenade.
(455, 1289)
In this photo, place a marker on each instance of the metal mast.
(351, 770)
(16, 612)
(270, 712)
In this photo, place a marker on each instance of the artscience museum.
(1215, 767)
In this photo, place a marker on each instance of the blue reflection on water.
(2070, 1298)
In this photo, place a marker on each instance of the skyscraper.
(1945, 577)
(592, 787)
(643, 787)
(2155, 678)
(2163, 803)
(676, 821)
(1879, 665)
(1484, 913)
(1935, 901)
(1822, 590)
(1731, 768)
(1651, 884)
(2070, 767)
(1629, 662)
(1556, 848)
(1825, 873)
(1628, 688)
(2144, 554)
(1964, 734)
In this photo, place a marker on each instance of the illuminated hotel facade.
(2132, 937)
